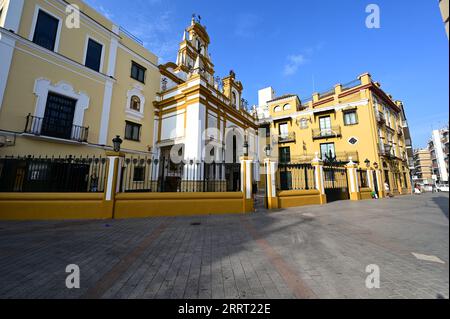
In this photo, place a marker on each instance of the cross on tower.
(197, 18)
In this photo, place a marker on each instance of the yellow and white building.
(197, 114)
(357, 121)
(70, 81)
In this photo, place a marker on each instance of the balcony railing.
(380, 117)
(334, 131)
(341, 157)
(55, 128)
(286, 138)
(385, 150)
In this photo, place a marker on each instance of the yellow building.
(356, 122)
(423, 172)
(70, 81)
(199, 115)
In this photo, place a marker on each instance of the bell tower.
(193, 53)
(232, 89)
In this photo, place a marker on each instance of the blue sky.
(305, 46)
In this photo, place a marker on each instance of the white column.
(106, 110)
(13, 10)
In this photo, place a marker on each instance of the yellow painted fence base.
(288, 199)
(37, 206)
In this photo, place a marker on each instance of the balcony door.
(325, 125)
(327, 151)
(58, 117)
(284, 130)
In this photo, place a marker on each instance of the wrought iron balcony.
(341, 157)
(286, 138)
(334, 131)
(51, 127)
(385, 150)
(380, 117)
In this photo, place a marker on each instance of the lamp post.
(117, 141)
(245, 148)
(268, 150)
(245, 144)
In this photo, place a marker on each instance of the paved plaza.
(305, 252)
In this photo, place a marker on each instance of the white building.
(439, 146)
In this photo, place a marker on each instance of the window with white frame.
(46, 30)
(277, 109)
(287, 107)
(350, 118)
(284, 130)
(94, 52)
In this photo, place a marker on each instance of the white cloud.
(293, 64)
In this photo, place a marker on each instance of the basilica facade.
(199, 116)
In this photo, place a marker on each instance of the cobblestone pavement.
(306, 252)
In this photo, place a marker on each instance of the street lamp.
(245, 148)
(117, 141)
(245, 145)
(268, 150)
(375, 165)
(367, 163)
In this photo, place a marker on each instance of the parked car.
(442, 187)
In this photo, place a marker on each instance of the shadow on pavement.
(442, 202)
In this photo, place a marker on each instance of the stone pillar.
(113, 178)
(353, 184)
(317, 163)
(380, 184)
(370, 181)
(272, 199)
(247, 183)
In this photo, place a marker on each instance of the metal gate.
(336, 183)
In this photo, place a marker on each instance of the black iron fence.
(362, 178)
(163, 175)
(295, 176)
(335, 177)
(55, 128)
(52, 174)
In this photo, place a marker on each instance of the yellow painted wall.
(30, 63)
(39, 206)
(366, 193)
(177, 204)
(19, 99)
(288, 199)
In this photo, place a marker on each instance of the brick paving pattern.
(305, 252)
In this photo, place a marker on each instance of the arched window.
(277, 109)
(286, 107)
(135, 103)
(234, 99)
